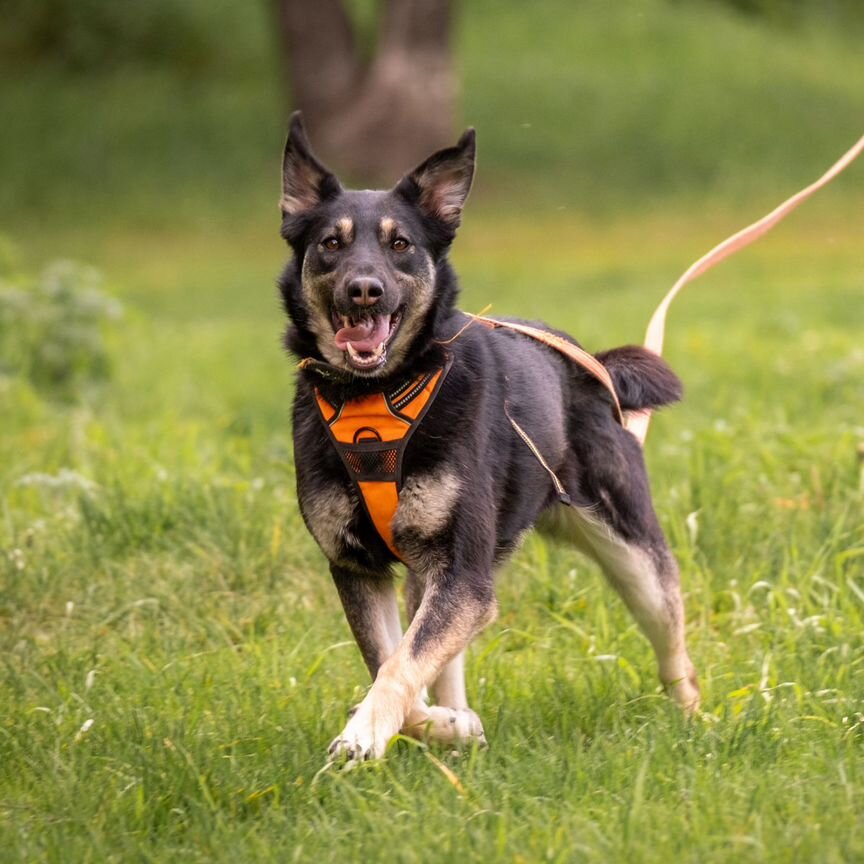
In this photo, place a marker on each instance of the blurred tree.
(372, 115)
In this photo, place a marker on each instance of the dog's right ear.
(305, 181)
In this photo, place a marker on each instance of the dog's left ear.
(440, 185)
(305, 181)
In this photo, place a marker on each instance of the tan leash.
(637, 421)
(578, 355)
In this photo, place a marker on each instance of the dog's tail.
(642, 378)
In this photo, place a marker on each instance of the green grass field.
(174, 658)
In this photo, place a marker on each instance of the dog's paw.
(362, 739)
(685, 691)
(445, 725)
(356, 747)
(343, 749)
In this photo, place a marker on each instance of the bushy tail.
(642, 378)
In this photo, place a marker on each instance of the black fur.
(641, 378)
(506, 488)
(503, 490)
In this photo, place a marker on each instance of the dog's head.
(366, 277)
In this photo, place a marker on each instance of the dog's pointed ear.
(305, 181)
(440, 185)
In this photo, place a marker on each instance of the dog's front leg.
(450, 720)
(372, 610)
(454, 608)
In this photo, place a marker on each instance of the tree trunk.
(372, 120)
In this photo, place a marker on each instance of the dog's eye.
(400, 244)
(331, 244)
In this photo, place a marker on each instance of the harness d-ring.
(360, 434)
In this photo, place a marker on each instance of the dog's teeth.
(366, 358)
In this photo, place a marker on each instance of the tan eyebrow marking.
(387, 229)
(345, 227)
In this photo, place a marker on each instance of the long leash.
(637, 422)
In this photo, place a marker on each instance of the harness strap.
(563, 497)
(578, 355)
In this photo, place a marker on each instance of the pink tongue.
(366, 335)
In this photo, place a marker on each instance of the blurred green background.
(155, 576)
(172, 113)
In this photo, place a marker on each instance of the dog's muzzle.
(362, 336)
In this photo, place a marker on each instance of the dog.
(423, 436)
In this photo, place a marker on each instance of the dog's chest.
(330, 512)
(370, 434)
(338, 520)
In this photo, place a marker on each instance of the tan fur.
(345, 229)
(445, 196)
(387, 229)
(328, 515)
(444, 724)
(426, 502)
(449, 688)
(422, 290)
(316, 291)
(291, 204)
(385, 626)
(653, 597)
(299, 187)
(403, 676)
(317, 288)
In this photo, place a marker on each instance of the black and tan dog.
(442, 452)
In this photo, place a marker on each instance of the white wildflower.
(692, 523)
(86, 726)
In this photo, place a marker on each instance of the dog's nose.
(365, 291)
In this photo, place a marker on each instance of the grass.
(180, 605)
(174, 659)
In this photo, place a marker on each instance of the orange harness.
(370, 435)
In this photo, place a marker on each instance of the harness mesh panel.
(376, 462)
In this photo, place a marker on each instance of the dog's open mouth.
(365, 339)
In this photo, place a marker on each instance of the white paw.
(361, 739)
(446, 725)
(343, 748)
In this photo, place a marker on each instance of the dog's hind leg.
(647, 580)
(620, 531)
